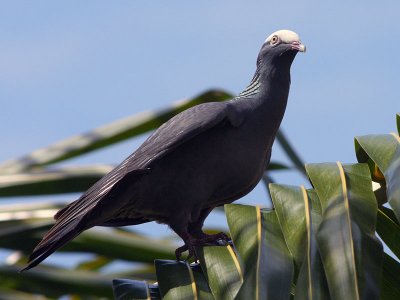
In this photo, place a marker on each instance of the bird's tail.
(58, 235)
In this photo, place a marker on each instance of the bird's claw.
(180, 250)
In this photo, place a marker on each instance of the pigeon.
(204, 157)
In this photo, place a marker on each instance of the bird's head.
(279, 49)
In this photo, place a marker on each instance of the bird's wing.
(70, 221)
(182, 128)
(166, 138)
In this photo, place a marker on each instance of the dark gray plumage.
(206, 156)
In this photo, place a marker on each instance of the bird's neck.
(266, 79)
(267, 96)
(253, 88)
(272, 99)
(268, 88)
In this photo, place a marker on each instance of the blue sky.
(68, 67)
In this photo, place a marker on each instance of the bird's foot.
(212, 239)
(201, 240)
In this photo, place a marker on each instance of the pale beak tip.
(299, 46)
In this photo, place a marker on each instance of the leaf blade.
(290, 151)
(384, 151)
(346, 233)
(222, 270)
(268, 265)
(175, 279)
(58, 282)
(45, 182)
(390, 286)
(388, 229)
(299, 219)
(125, 289)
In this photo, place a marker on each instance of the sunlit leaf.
(311, 282)
(26, 212)
(268, 265)
(221, 270)
(57, 181)
(94, 264)
(350, 252)
(299, 212)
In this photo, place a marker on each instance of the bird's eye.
(274, 40)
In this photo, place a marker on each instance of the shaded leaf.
(21, 235)
(53, 282)
(384, 151)
(389, 229)
(202, 288)
(380, 195)
(110, 243)
(389, 212)
(147, 272)
(290, 151)
(175, 279)
(127, 289)
(274, 166)
(350, 252)
(9, 294)
(390, 285)
(290, 210)
(122, 245)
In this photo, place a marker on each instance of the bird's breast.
(220, 165)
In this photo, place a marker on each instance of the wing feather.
(166, 138)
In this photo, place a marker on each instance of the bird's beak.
(298, 46)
